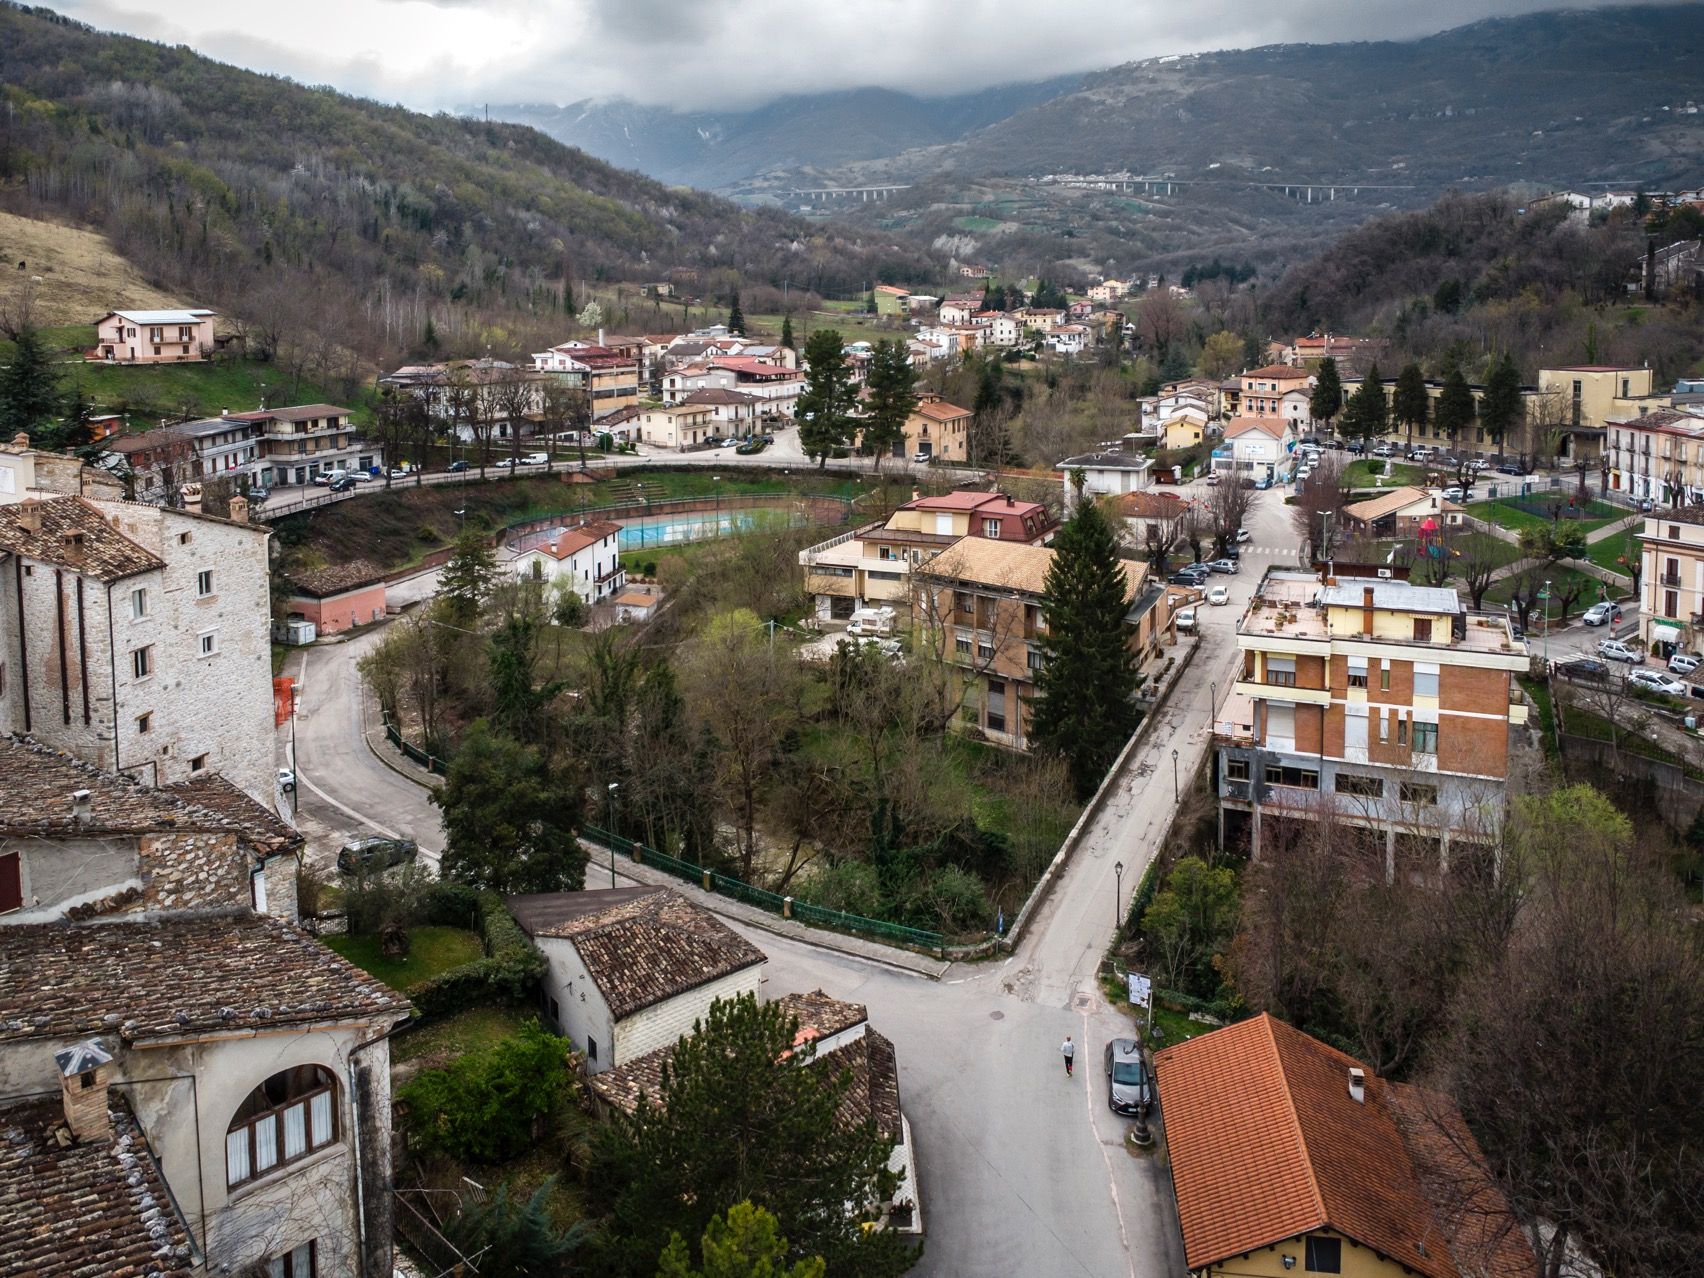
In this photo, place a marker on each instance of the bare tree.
(1478, 556)
(516, 395)
(1227, 508)
(1319, 504)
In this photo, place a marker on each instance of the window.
(991, 528)
(1281, 671)
(591, 1048)
(962, 645)
(183, 539)
(198, 763)
(1357, 672)
(1422, 630)
(1384, 676)
(1360, 787)
(1425, 680)
(296, 1263)
(1236, 769)
(208, 641)
(287, 1117)
(11, 883)
(1671, 603)
(1037, 660)
(1324, 1256)
(139, 603)
(985, 649)
(555, 1012)
(1425, 738)
(142, 662)
(1423, 796)
(144, 724)
(996, 705)
(1299, 778)
(1402, 732)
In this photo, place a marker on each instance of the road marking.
(1106, 1159)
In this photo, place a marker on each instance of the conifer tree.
(29, 386)
(1367, 413)
(1082, 708)
(1327, 398)
(787, 332)
(1455, 410)
(1500, 406)
(468, 578)
(891, 399)
(825, 405)
(736, 317)
(1410, 403)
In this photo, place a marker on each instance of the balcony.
(1258, 691)
(1670, 579)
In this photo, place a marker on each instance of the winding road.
(1021, 1169)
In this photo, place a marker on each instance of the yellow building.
(1671, 580)
(1185, 429)
(1291, 1157)
(1589, 392)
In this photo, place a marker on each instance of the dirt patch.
(82, 276)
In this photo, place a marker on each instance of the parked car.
(921, 459)
(1458, 494)
(1356, 447)
(1684, 662)
(1602, 614)
(1584, 668)
(1213, 478)
(1189, 575)
(1512, 468)
(1223, 565)
(1186, 619)
(328, 477)
(1657, 681)
(375, 855)
(258, 494)
(1243, 534)
(536, 459)
(342, 485)
(1218, 596)
(399, 472)
(1615, 650)
(1645, 505)
(1384, 450)
(286, 779)
(503, 463)
(1478, 464)
(456, 467)
(1418, 455)
(1129, 1086)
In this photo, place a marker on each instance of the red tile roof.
(69, 532)
(1274, 426)
(574, 540)
(1279, 373)
(1268, 1144)
(939, 410)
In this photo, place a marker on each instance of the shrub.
(450, 904)
(649, 568)
(850, 886)
(373, 902)
(954, 897)
(508, 974)
(485, 1107)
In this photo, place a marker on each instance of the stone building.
(137, 638)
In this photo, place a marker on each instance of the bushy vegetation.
(486, 1107)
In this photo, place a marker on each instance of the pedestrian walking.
(1068, 1050)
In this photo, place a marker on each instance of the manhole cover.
(996, 1016)
(1081, 1002)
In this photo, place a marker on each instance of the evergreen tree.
(467, 579)
(1327, 398)
(891, 397)
(746, 1115)
(509, 823)
(29, 387)
(429, 339)
(514, 1236)
(787, 332)
(1500, 405)
(825, 405)
(1455, 405)
(1082, 708)
(736, 317)
(1367, 413)
(745, 1244)
(1410, 404)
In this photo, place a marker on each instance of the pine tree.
(467, 579)
(745, 1244)
(29, 386)
(1455, 405)
(1500, 405)
(825, 405)
(429, 339)
(787, 332)
(736, 317)
(891, 398)
(1367, 413)
(1082, 707)
(509, 823)
(1327, 398)
(1410, 403)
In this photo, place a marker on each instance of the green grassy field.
(453, 1036)
(1511, 517)
(431, 950)
(1608, 552)
(1367, 472)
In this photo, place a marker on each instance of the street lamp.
(613, 787)
(1177, 792)
(1117, 896)
(1546, 598)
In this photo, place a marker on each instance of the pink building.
(153, 337)
(340, 597)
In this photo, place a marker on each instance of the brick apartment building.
(1372, 703)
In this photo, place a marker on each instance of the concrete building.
(936, 430)
(678, 426)
(732, 412)
(221, 1078)
(611, 378)
(1657, 455)
(587, 556)
(303, 441)
(137, 638)
(338, 597)
(1671, 582)
(153, 337)
(1256, 448)
(1277, 390)
(1372, 704)
(1289, 1156)
(1107, 472)
(890, 299)
(630, 969)
(1594, 393)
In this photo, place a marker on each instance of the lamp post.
(1117, 896)
(1546, 598)
(613, 787)
(1213, 707)
(1177, 792)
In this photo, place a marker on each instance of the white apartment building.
(588, 556)
(137, 638)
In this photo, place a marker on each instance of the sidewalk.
(634, 872)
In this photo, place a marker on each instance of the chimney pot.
(238, 511)
(1358, 1086)
(84, 1070)
(29, 517)
(82, 806)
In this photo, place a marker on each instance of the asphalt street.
(1022, 1170)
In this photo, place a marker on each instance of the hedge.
(1219, 1009)
(508, 973)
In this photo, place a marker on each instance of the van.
(326, 477)
(871, 623)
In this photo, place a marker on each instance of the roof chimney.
(29, 517)
(82, 807)
(71, 545)
(238, 510)
(1358, 1085)
(1366, 610)
(21, 439)
(1009, 500)
(84, 1069)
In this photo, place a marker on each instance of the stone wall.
(193, 871)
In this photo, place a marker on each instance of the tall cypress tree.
(1327, 398)
(29, 387)
(1500, 406)
(891, 399)
(1455, 405)
(1367, 412)
(787, 332)
(1410, 403)
(736, 317)
(1082, 707)
(825, 404)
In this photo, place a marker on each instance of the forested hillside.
(302, 209)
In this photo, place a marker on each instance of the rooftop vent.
(82, 806)
(1358, 1086)
(84, 1069)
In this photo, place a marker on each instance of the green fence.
(429, 761)
(775, 903)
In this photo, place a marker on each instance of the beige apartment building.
(1671, 584)
(1594, 393)
(1657, 455)
(1373, 703)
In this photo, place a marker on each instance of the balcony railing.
(1669, 579)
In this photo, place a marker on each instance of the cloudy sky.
(432, 54)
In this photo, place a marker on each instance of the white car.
(1615, 650)
(1683, 663)
(1218, 596)
(1458, 494)
(1243, 534)
(1657, 681)
(1186, 619)
(536, 459)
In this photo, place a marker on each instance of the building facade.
(937, 431)
(1671, 582)
(588, 557)
(153, 337)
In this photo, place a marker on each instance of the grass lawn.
(1368, 472)
(1579, 721)
(455, 1036)
(431, 950)
(1605, 553)
(1517, 520)
(1559, 576)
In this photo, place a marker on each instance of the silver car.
(1130, 1087)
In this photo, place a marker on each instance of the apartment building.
(1657, 455)
(1373, 703)
(160, 461)
(303, 441)
(1671, 582)
(678, 426)
(936, 429)
(1594, 393)
(153, 337)
(137, 638)
(1278, 390)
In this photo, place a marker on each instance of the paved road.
(1022, 1170)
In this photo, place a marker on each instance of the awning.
(1667, 625)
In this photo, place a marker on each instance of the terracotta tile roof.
(646, 947)
(820, 1016)
(1390, 503)
(96, 1209)
(1279, 373)
(938, 410)
(573, 540)
(1273, 426)
(178, 976)
(295, 413)
(74, 534)
(986, 562)
(259, 824)
(336, 579)
(1267, 1144)
(720, 395)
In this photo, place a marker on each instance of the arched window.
(287, 1117)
